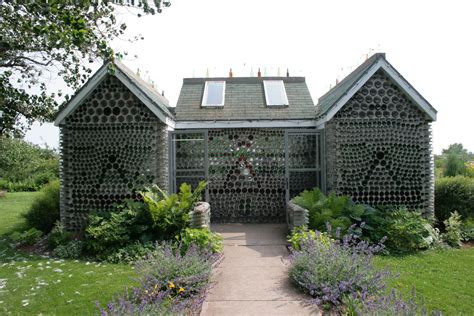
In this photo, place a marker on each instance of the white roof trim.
(83, 93)
(90, 86)
(245, 124)
(395, 76)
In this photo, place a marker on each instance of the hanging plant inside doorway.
(242, 153)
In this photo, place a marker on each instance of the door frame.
(321, 146)
(172, 158)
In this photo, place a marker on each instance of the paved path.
(253, 279)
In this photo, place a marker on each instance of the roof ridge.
(366, 64)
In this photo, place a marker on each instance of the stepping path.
(253, 278)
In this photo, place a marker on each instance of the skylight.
(214, 93)
(275, 93)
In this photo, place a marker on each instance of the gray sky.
(431, 43)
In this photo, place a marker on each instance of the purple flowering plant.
(330, 271)
(392, 304)
(171, 281)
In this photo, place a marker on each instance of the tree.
(454, 160)
(458, 150)
(454, 165)
(39, 39)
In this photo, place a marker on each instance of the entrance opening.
(251, 172)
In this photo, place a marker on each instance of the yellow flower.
(171, 285)
(181, 290)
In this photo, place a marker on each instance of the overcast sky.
(431, 43)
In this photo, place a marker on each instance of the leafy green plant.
(44, 212)
(27, 237)
(203, 238)
(58, 236)
(407, 231)
(109, 231)
(170, 212)
(301, 234)
(454, 194)
(452, 226)
(159, 217)
(467, 229)
(70, 250)
(339, 211)
(130, 253)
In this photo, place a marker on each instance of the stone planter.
(200, 216)
(296, 215)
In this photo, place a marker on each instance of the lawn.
(41, 285)
(11, 207)
(444, 279)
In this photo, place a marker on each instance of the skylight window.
(275, 93)
(214, 93)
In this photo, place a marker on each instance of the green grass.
(444, 279)
(11, 207)
(37, 285)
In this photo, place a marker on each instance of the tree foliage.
(56, 38)
(23, 162)
(454, 160)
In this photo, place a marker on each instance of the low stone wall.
(296, 215)
(200, 216)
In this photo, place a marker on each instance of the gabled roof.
(331, 102)
(154, 101)
(244, 101)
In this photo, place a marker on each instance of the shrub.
(170, 283)
(159, 217)
(339, 211)
(109, 231)
(392, 304)
(328, 273)
(452, 225)
(454, 194)
(28, 237)
(71, 250)
(58, 236)
(407, 231)
(26, 167)
(20, 186)
(44, 212)
(203, 238)
(302, 234)
(467, 229)
(130, 253)
(170, 213)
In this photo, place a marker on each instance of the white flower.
(58, 270)
(25, 302)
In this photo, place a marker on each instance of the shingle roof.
(326, 101)
(334, 99)
(152, 99)
(158, 100)
(244, 100)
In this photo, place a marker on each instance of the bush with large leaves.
(337, 211)
(170, 212)
(160, 216)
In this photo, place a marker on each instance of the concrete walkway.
(253, 278)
